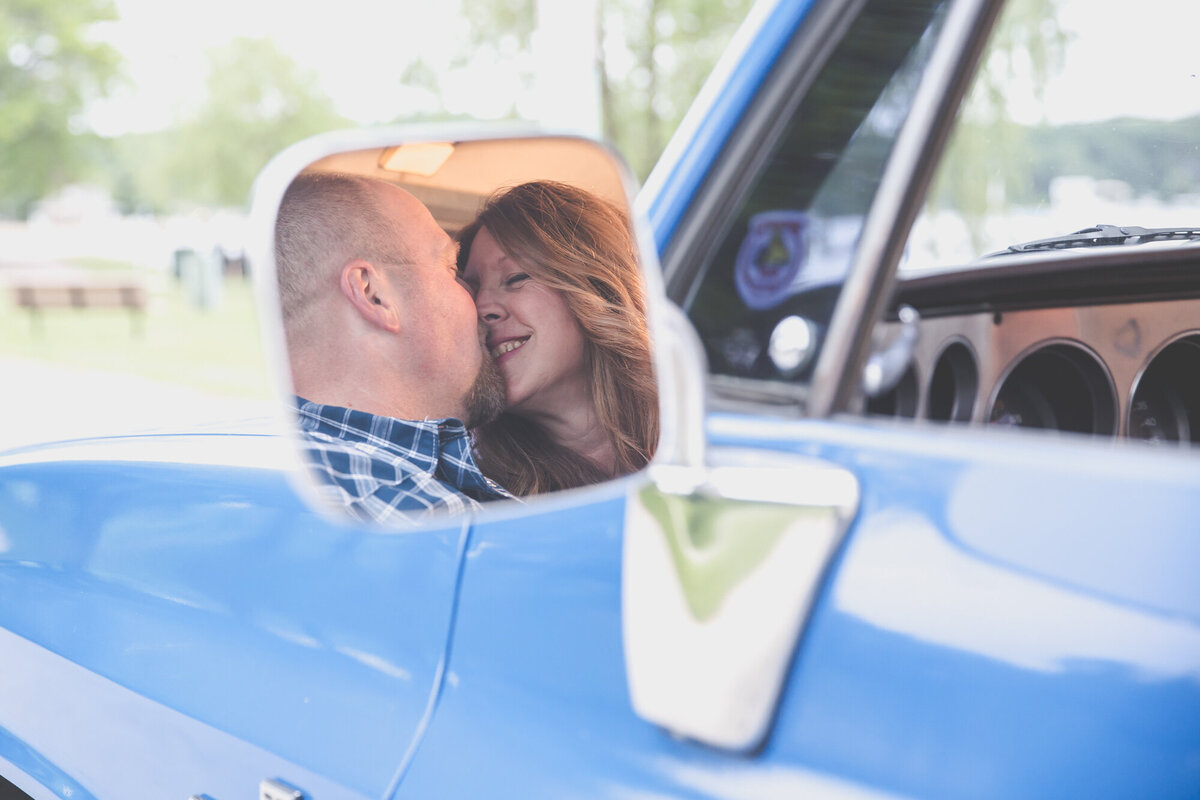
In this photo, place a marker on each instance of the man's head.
(375, 316)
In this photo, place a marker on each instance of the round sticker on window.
(770, 257)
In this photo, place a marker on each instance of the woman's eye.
(516, 280)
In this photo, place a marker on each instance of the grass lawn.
(216, 350)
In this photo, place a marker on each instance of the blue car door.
(177, 623)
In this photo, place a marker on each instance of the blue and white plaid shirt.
(386, 470)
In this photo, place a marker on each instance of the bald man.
(385, 348)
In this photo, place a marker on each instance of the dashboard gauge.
(1059, 387)
(1165, 406)
(1021, 405)
(1159, 416)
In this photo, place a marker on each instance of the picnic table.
(39, 289)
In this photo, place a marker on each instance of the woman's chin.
(519, 405)
(512, 403)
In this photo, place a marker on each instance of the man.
(385, 348)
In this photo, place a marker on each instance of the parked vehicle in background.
(922, 522)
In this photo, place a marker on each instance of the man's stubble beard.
(486, 397)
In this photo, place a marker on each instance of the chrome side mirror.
(452, 170)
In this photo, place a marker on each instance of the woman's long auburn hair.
(582, 247)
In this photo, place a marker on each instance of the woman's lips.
(506, 347)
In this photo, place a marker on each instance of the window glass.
(788, 244)
(1079, 115)
(11, 792)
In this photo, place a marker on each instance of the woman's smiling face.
(535, 339)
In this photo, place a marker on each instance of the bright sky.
(1149, 37)
(359, 48)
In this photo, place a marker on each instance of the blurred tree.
(654, 57)
(503, 29)
(651, 58)
(138, 172)
(258, 102)
(977, 174)
(50, 68)
(506, 25)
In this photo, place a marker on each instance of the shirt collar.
(420, 440)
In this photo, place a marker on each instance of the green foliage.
(502, 24)
(139, 173)
(1159, 159)
(652, 57)
(504, 28)
(50, 68)
(258, 102)
(994, 162)
(1156, 159)
(673, 46)
(1026, 49)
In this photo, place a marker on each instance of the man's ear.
(368, 289)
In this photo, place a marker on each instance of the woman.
(555, 277)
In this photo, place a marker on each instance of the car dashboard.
(1101, 343)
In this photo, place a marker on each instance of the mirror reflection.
(465, 322)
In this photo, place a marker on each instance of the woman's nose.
(490, 310)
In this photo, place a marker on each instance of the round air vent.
(953, 385)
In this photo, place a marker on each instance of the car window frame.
(836, 380)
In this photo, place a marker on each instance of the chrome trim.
(720, 567)
(886, 367)
(762, 476)
(682, 371)
(270, 789)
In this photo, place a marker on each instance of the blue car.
(924, 520)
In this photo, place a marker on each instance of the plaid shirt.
(384, 469)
